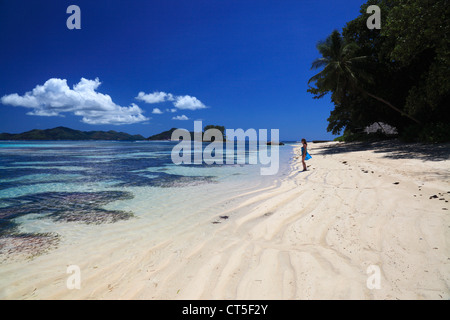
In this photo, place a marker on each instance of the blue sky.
(139, 65)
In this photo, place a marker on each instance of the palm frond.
(319, 63)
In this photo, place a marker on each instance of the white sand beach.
(312, 235)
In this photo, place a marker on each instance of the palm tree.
(343, 70)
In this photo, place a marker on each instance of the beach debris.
(434, 197)
(396, 183)
(221, 217)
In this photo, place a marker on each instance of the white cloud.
(55, 97)
(188, 103)
(172, 110)
(157, 111)
(181, 102)
(155, 97)
(183, 117)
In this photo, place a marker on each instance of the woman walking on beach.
(305, 154)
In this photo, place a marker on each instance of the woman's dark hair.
(304, 141)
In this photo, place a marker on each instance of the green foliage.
(166, 135)
(220, 128)
(393, 75)
(435, 132)
(341, 68)
(422, 29)
(360, 136)
(430, 133)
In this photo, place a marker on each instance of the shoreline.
(312, 235)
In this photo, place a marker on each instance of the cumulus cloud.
(188, 103)
(180, 102)
(54, 98)
(183, 117)
(155, 97)
(157, 111)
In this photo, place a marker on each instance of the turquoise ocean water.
(56, 189)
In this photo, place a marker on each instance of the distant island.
(166, 135)
(68, 134)
(63, 133)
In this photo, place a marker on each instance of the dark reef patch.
(67, 206)
(123, 172)
(164, 180)
(26, 245)
(84, 207)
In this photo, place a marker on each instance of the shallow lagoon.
(53, 189)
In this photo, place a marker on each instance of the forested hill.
(63, 133)
(166, 135)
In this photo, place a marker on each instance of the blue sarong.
(308, 156)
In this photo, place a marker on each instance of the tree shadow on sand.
(392, 149)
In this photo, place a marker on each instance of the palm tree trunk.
(391, 106)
